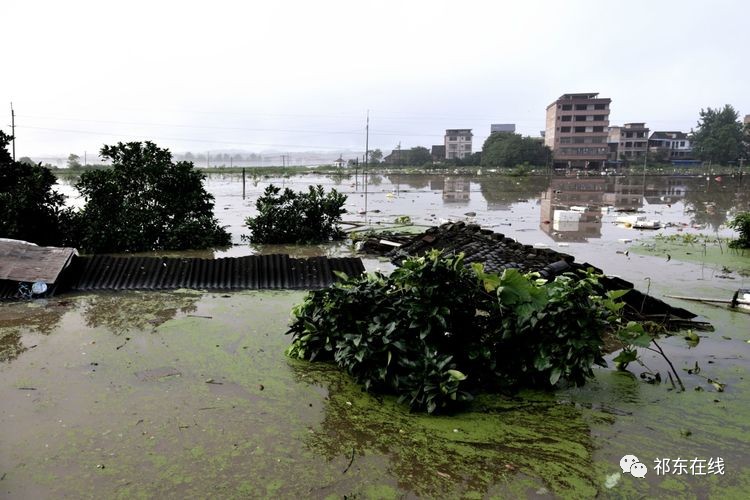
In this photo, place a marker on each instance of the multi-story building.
(671, 146)
(457, 143)
(576, 130)
(438, 153)
(747, 120)
(629, 142)
(503, 127)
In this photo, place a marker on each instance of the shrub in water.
(742, 224)
(30, 209)
(290, 217)
(146, 202)
(434, 332)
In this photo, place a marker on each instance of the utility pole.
(367, 156)
(13, 129)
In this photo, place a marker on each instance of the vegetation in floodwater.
(292, 217)
(741, 223)
(145, 202)
(436, 333)
(702, 248)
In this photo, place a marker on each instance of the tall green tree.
(145, 202)
(376, 156)
(719, 137)
(506, 149)
(74, 161)
(30, 208)
(418, 156)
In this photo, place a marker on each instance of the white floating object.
(625, 240)
(39, 288)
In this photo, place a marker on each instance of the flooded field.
(189, 394)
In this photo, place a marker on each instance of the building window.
(598, 129)
(565, 129)
(600, 106)
(580, 129)
(567, 118)
(452, 138)
(580, 118)
(567, 107)
(600, 118)
(580, 107)
(467, 147)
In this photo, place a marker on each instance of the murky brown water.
(189, 394)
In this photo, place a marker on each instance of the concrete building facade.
(671, 146)
(503, 127)
(457, 143)
(576, 130)
(630, 141)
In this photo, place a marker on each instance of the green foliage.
(30, 209)
(74, 161)
(506, 149)
(375, 156)
(290, 217)
(719, 137)
(434, 332)
(146, 202)
(741, 223)
(418, 156)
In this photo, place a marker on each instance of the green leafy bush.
(435, 332)
(30, 209)
(741, 223)
(146, 202)
(290, 217)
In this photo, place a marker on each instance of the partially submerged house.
(28, 270)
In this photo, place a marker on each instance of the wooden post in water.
(243, 183)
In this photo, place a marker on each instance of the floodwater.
(189, 394)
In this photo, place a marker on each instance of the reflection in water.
(502, 192)
(456, 190)
(571, 208)
(137, 310)
(532, 440)
(36, 317)
(707, 200)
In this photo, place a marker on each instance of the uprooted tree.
(435, 332)
(145, 202)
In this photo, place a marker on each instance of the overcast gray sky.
(301, 75)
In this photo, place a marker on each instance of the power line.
(241, 129)
(187, 139)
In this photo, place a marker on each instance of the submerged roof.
(26, 262)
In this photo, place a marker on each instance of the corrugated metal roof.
(255, 272)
